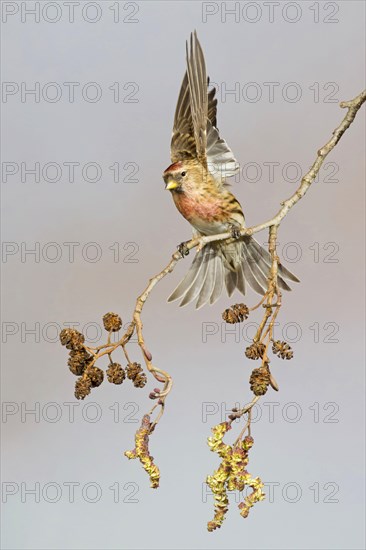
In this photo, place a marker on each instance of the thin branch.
(261, 378)
(136, 324)
(353, 106)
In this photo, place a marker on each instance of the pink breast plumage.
(194, 209)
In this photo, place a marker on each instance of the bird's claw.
(183, 249)
(235, 231)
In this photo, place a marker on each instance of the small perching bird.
(201, 162)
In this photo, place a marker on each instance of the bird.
(201, 161)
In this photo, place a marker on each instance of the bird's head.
(184, 176)
(175, 176)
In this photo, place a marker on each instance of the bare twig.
(271, 303)
(136, 325)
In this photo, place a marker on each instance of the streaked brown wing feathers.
(193, 107)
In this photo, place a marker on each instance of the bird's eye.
(183, 174)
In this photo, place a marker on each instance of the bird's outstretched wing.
(195, 134)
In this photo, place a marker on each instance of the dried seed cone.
(82, 387)
(255, 351)
(282, 349)
(133, 369)
(72, 339)
(115, 373)
(112, 322)
(259, 381)
(236, 313)
(140, 380)
(95, 376)
(78, 361)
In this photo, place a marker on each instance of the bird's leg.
(183, 249)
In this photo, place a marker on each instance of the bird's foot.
(183, 249)
(235, 231)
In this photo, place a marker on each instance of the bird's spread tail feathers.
(235, 265)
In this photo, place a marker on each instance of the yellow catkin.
(141, 451)
(231, 475)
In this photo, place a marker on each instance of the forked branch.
(231, 474)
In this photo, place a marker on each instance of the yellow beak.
(172, 184)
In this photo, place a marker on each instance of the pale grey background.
(328, 449)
